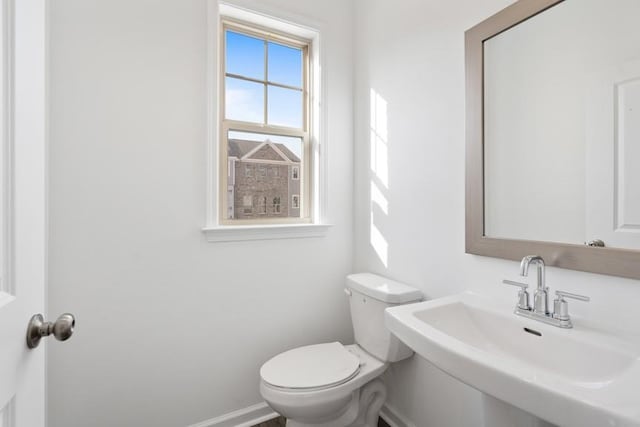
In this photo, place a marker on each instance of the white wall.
(410, 53)
(172, 330)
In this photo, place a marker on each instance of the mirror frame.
(611, 261)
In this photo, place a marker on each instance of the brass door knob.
(61, 329)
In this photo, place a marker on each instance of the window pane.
(264, 176)
(245, 55)
(285, 65)
(285, 107)
(244, 100)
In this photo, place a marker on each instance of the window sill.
(241, 233)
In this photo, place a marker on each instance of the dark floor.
(280, 422)
(276, 422)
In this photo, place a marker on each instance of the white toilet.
(335, 385)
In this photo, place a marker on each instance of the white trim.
(212, 112)
(8, 414)
(261, 412)
(253, 151)
(7, 147)
(319, 131)
(303, 27)
(247, 157)
(247, 417)
(241, 233)
(280, 153)
(268, 162)
(393, 417)
(47, 145)
(246, 11)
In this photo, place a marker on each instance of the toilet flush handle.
(347, 291)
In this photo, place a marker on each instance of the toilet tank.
(369, 296)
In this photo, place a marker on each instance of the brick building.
(263, 180)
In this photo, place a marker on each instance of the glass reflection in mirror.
(562, 126)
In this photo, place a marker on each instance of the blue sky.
(245, 56)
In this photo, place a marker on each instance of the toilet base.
(363, 409)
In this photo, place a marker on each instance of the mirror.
(553, 134)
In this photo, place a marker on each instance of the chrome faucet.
(541, 297)
(540, 310)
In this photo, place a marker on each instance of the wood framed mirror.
(552, 128)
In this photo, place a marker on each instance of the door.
(22, 211)
(613, 153)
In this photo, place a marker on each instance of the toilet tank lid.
(383, 289)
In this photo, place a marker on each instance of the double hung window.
(265, 150)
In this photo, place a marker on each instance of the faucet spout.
(541, 300)
(534, 259)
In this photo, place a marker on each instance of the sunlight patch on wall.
(378, 198)
(379, 164)
(379, 135)
(379, 244)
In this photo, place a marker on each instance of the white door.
(613, 157)
(22, 211)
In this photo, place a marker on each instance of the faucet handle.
(524, 286)
(562, 294)
(561, 306)
(523, 295)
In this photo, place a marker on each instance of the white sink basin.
(572, 377)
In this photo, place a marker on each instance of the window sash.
(264, 82)
(268, 36)
(305, 199)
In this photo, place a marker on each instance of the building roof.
(240, 148)
(288, 153)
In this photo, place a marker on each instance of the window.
(265, 107)
(247, 205)
(266, 87)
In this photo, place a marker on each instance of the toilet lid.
(313, 366)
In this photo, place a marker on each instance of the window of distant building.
(264, 122)
(263, 206)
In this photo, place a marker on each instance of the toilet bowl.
(336, 385)
(317, 403)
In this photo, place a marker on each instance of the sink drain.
(533, 332)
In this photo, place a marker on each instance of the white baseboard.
(261, 412)
(246, 417)
(393, 417)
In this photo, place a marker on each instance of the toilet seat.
(312, 367)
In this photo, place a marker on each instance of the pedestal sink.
(582, 377)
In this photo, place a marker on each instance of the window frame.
(305, 27)
(304, 133)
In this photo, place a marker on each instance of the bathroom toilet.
(336, 385)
